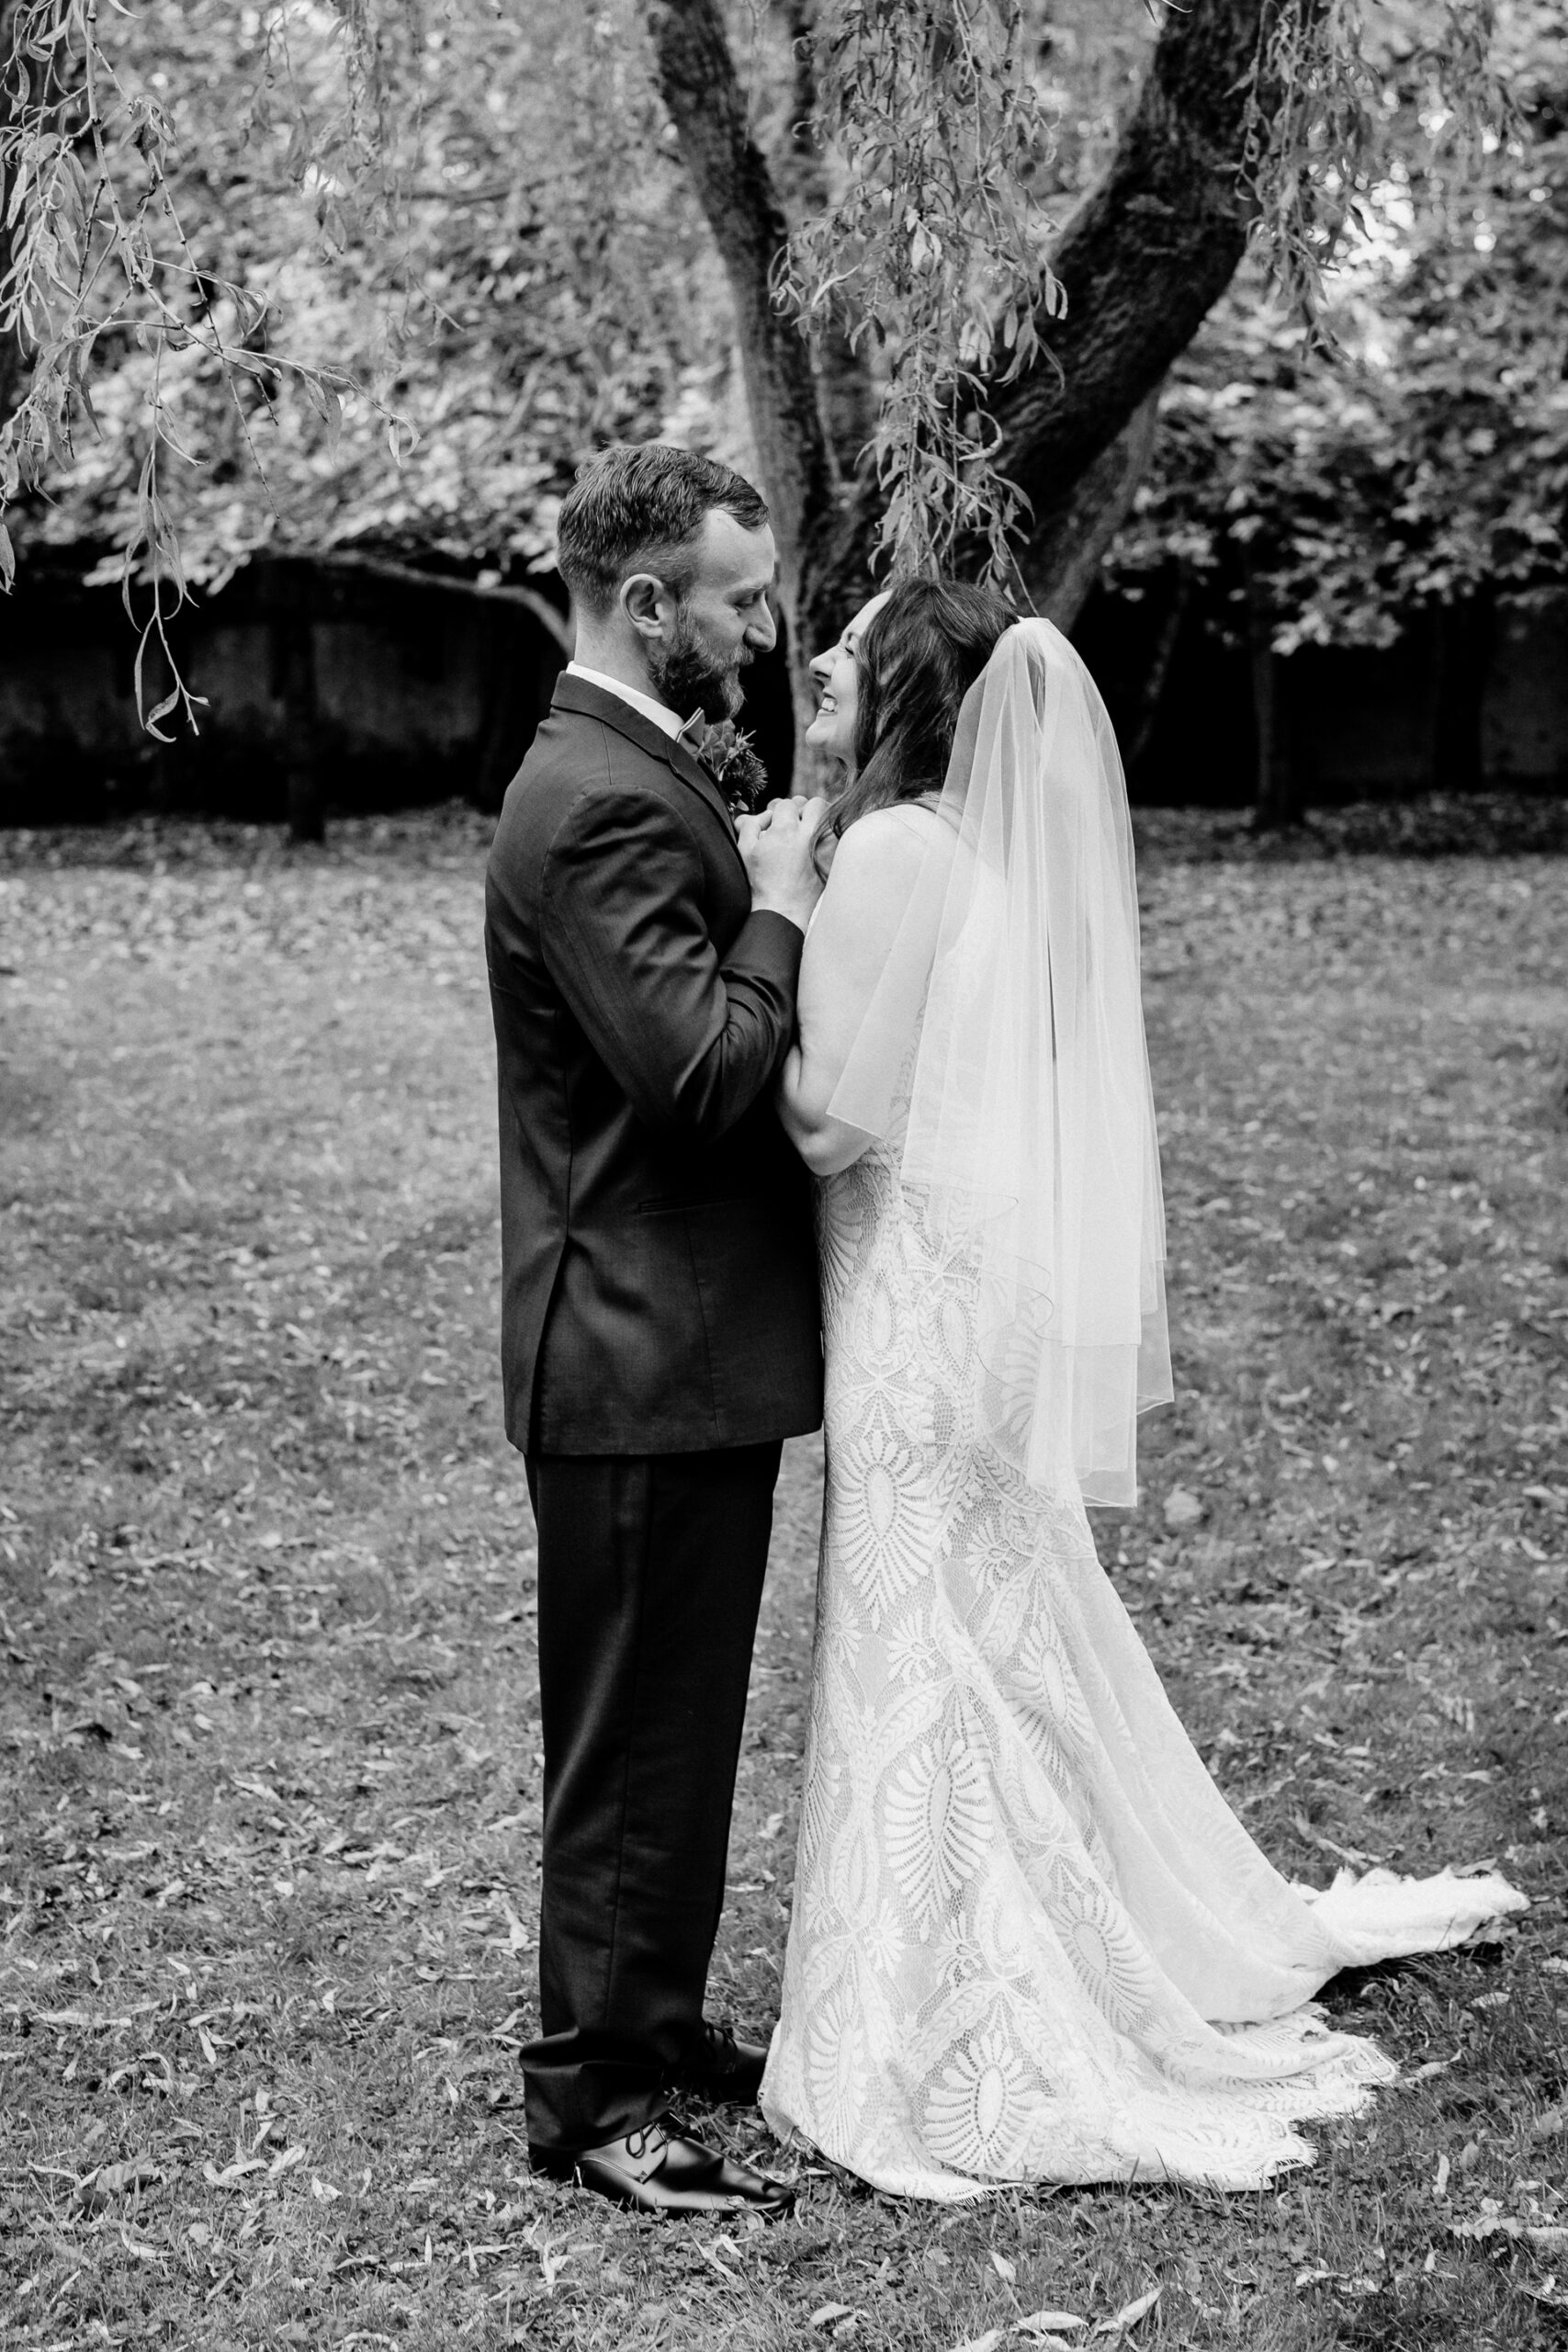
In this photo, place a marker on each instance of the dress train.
(1030, 1941)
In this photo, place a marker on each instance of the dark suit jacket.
(659, 1270)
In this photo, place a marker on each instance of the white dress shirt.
(658, 712)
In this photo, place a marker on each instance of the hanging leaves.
(295, 280)
(1318, 122)
(936, 253)
(1418, 456)
(96, 246)
(471, 214)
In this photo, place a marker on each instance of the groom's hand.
(775, 848)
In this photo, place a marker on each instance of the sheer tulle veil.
(1031, 1131)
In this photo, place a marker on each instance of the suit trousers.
(650, 1578)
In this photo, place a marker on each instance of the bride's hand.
(776, 849)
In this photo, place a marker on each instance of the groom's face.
(706, 637)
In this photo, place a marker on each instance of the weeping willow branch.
(96, 247)
(1312, 128)
(935, 252)
(1259, 121)
(1259, 118)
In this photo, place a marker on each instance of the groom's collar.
(608, 704)
(668, 721)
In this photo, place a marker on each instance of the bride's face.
(835, 677)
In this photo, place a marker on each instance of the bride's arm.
(856, 920)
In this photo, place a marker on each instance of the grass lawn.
(268, 1733)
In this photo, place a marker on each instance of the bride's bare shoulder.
(894, 836)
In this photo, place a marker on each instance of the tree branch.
(1069, 539)
(845, 392)
(1144, 259)
(555, 624)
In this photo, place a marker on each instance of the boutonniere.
(730, 758)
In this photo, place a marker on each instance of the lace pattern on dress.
(1030, 1940)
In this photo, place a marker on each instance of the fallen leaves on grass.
(1549, 2235)
(710, 2254)
(140, 2248)
(115, 2180)
(552, 2262)
(249, 1204)
(1130, 2313)
(232, 2174)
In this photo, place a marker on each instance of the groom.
(660, 1326)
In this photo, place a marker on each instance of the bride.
(1030, 1941)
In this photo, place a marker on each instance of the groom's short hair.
(640, 508)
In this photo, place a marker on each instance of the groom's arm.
(691, 1041)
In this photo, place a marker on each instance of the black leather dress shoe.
(722, 2068)
(657, 2173)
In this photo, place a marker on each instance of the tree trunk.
(1068, 544)
(294, 671)
(1138, 738)
(707, 106)
(846, 395)
(1145, 258)
(1461, 644)
(1275, 803)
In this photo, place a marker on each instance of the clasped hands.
(776, 848)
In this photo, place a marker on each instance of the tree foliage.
(1417, 453)
(1253, 119)
(302, 275)
(935, 247)
(292, 278)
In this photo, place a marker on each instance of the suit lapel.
(595, 702)
(689, 770)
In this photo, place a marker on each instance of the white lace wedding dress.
(1030, 1941)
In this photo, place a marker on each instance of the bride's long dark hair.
(917, 662)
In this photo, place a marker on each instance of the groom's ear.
(647, 603)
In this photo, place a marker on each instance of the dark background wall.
(1467, 697)
(378, 693)
(365, 692)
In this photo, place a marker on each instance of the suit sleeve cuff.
(771, 941)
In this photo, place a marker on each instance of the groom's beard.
(689, 674)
